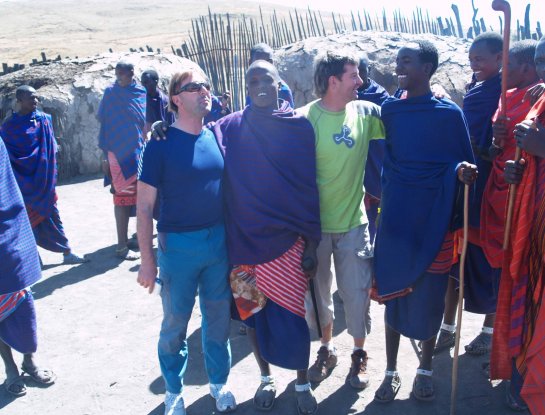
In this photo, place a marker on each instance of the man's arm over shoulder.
(371, 112)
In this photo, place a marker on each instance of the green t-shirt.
(342, 143)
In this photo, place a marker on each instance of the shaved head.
(264, 65)
(24, 90)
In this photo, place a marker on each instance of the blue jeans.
(191, 262)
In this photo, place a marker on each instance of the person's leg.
(215, 301)
(327, 358)
(14, 384)
(266, 392)
(352, 254)
(122, 215)
(445, 340)
(389, 387)
(180, 264)
(423, 389)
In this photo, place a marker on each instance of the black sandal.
(391, 384)
(267, 389)
(423, 381)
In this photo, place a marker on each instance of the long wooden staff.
(460, 301)
(503, 6)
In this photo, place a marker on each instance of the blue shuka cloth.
(419, 186)
(19, 263)
(271, 193)
(31, 145)
(122, 116)
(376, 94)
(480, 104)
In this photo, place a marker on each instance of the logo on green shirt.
(344, 137)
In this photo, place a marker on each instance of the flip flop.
(265, 391)
(126, 254)
(391, 383)
(482, 344)
(512, 402)
(306, 402)
(41, 376)
(422, 382)
(15, 386)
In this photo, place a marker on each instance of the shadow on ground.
(101, 261)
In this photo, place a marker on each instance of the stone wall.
(71, 91)
(295, 62)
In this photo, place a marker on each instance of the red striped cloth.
(9, 302)
(494, 202)
(513, 308)
(125, 189)
(283, 281)
(443, 260)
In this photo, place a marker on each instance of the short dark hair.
(125, 66)
(524, 51)
(427, 53)
(492, 40)
(260, 48)
(330, 63)
(150, 74)
(23, 90)
(268, 65)
(364, 60)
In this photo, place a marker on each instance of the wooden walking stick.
(309, 264)
(460, 301)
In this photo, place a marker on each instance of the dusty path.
(98, 330)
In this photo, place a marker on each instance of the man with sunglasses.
(186, 171)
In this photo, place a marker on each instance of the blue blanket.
(19, 263)
(122, 116)
(270, 183)
(480, 104)
(31, 145)
(419, 186)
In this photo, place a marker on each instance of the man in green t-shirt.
(343, 128)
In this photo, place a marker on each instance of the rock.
(71, 91)
(295, 61)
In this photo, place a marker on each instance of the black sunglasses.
(193, 87)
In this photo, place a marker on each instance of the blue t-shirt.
(187, 170)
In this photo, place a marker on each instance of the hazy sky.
(436, 8)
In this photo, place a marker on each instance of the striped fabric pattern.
(283, 281)
(10, 302)
(125, 188)
(443, 260)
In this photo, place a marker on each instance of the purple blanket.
(31, 145)
(270, 183)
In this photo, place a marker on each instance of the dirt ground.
(98, 331)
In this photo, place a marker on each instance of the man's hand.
(225, 100)
(147, 275)
(106, 167)
(309, 260)
(534, 93)
(467, 173)
(530, 136)
(158, 130)
(513, 171)
(500, 132)
(439, 92)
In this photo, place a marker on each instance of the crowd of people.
(252, 206)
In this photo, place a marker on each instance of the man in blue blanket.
(122, 116)
(423, 165)
(373, 92)
(31, 145)
(19, 269)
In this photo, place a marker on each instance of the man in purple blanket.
(19, 269)
(373, 92)
(31, 145)
(273, 226)
(423, 166)
(122, 116)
